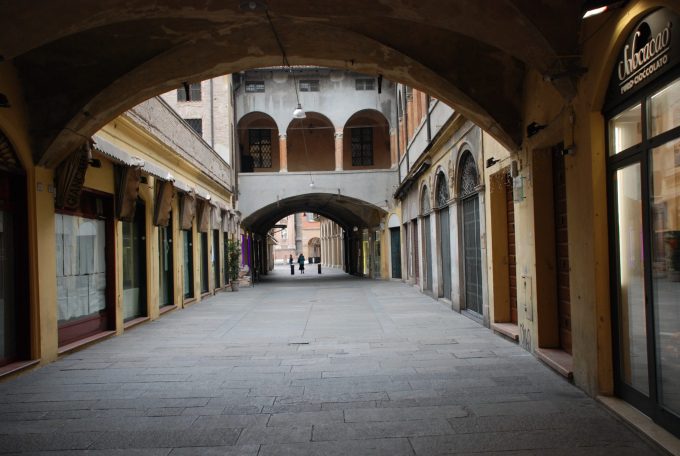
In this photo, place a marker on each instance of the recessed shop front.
(14, 301)
(643, 145)
(85, 267)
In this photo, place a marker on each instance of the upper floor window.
(362, 146)
(309, 85)
(365, 84)
(196, 125)
(194, 92)
(254, 86)
(260, 147)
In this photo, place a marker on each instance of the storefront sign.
(650, 50)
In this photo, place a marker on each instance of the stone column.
(283, 153)
(338, 150)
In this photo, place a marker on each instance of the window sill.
(509, 330)
(641, 423)
(559, 360)
(73, 346)
(18, 366)
(135, 322)
(166, 309)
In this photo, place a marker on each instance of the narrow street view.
(324, 364)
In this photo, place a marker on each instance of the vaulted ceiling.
(81, 63)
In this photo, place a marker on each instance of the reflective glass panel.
(666, 264)
(625, 130)
(188, 266)
(632, 321)
(664, 109)
(7, 301)
(81, 266)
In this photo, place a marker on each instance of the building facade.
(132, 226)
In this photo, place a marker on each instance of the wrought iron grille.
(468, 180)
(442, 192)
(362, 146)
(260, 147)
(425, 201)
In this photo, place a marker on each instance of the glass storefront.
(188, 263)
(8, 347)
(83, 263)
(134, 266)
(215, 256)
(644, 170)
(165, 295)
(204, 263)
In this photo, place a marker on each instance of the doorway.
(166, 289)
(134, 265)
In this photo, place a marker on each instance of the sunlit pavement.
(307, 364)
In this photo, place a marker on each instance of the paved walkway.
(307, 365)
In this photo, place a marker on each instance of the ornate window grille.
(442, 191)
(425, 206)
(362, 146)
(260, 147)
(469, 179)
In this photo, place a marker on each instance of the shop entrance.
(134, 265)
(14, 344)
(644, 191)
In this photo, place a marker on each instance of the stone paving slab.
(311, 365)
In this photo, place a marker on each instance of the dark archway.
(366, 141)
(258, 141)
(110, 55)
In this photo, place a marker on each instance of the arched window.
(468, 177)
(442, 191)
(425, 206)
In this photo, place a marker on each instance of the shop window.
(194, 92)
(362, 146)
(260, 147)
(309, 85)
(188, 264)
(625, 130)
(665, 109)
(204, 263)
(254, 86)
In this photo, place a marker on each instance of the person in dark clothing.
(290, 260)
(301, 262)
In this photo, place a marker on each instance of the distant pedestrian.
(301, 262)
(290, 259)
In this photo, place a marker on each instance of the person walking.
(290, 259)
(301, 262)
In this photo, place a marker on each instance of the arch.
(441, 190)
(311, 143)
(154, 45)
(345, 211)
(425, 205)
(393, 221)
(366, 141)
(258, 139)
(468, 175)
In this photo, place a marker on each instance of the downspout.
(212, 115)
(396, 115)
(408, 165)
(427, 117)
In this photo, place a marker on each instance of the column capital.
(338, 135)
(283, 136)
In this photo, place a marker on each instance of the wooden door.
(512, 260)
(562, 252)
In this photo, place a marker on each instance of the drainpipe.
(427, 117)
(212, 115)
(396, 115)
(408, 165)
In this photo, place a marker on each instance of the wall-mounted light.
(534, 128)
(491, 161)
(594, 7)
